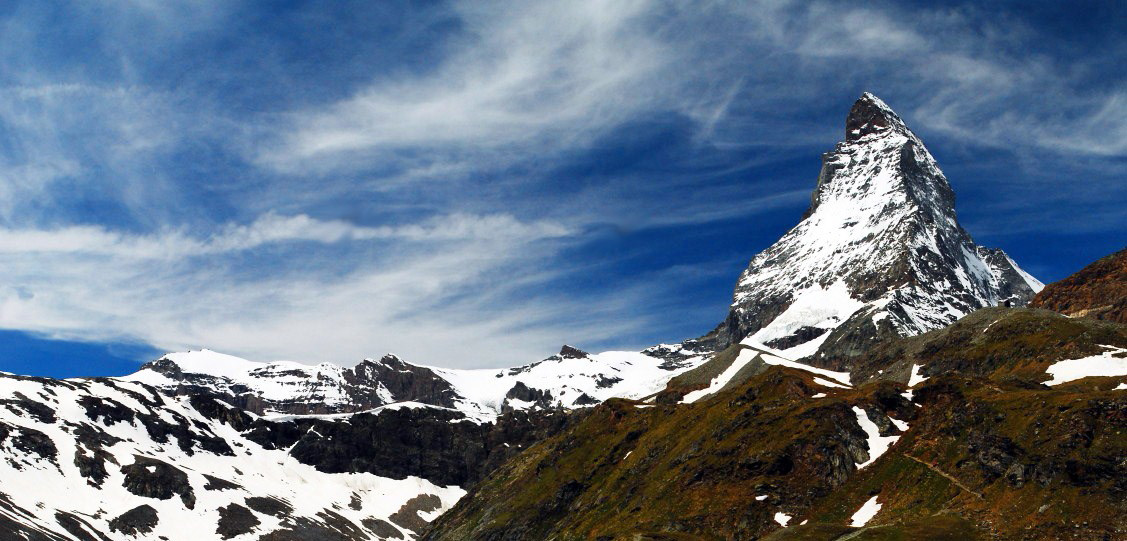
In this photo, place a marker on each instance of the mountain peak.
(878, 254)
(869, 115)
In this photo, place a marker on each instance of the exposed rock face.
(879, 254)
(136, 521)
(568, 352)
(397, 444)
(1098, 291)
(526, 394)
(157, 479)
(235, 520)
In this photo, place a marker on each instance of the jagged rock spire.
(879, 253)
(870, 115)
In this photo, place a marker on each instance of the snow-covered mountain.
(878, 254)
(202, 445)
(109, 459)
(570, 379)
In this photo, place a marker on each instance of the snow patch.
(745, 356)
(782, 519)
(877, 444)
(915, 378)
(865, 513)
(827, 383)
(840, 377)
(1109, 363)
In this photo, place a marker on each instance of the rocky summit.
(876, 377)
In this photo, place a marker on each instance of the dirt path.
(946, 475)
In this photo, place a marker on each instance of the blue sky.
(473, 184)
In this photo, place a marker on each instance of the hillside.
(969, 454)
(1098, 291)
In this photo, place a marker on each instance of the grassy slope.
(1003, 344)
(693, 469)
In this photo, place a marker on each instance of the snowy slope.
(202, 445)
(878, 254)
(84, 454)
(572, 381)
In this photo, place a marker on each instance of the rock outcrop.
(1098, 291)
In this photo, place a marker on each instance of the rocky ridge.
(1097, 291)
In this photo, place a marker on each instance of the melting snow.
(865, 513)
(877, 444)
(275, 381)
(42, 486)
(840, 377)
(915, 378)
(640, 376)
(768, 356)
(624, 374)
(782, 519)
(827, 383)
(761, 497)
(1121, 387)
(819, 395)
(745, 357)
(1104, 364)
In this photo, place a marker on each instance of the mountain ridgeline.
(876, 377)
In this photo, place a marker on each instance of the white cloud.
(430, 297)
(268, 229)
(68, 141)
(544, 73)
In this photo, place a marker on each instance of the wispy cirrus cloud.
(537, 75)
(266, 230)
